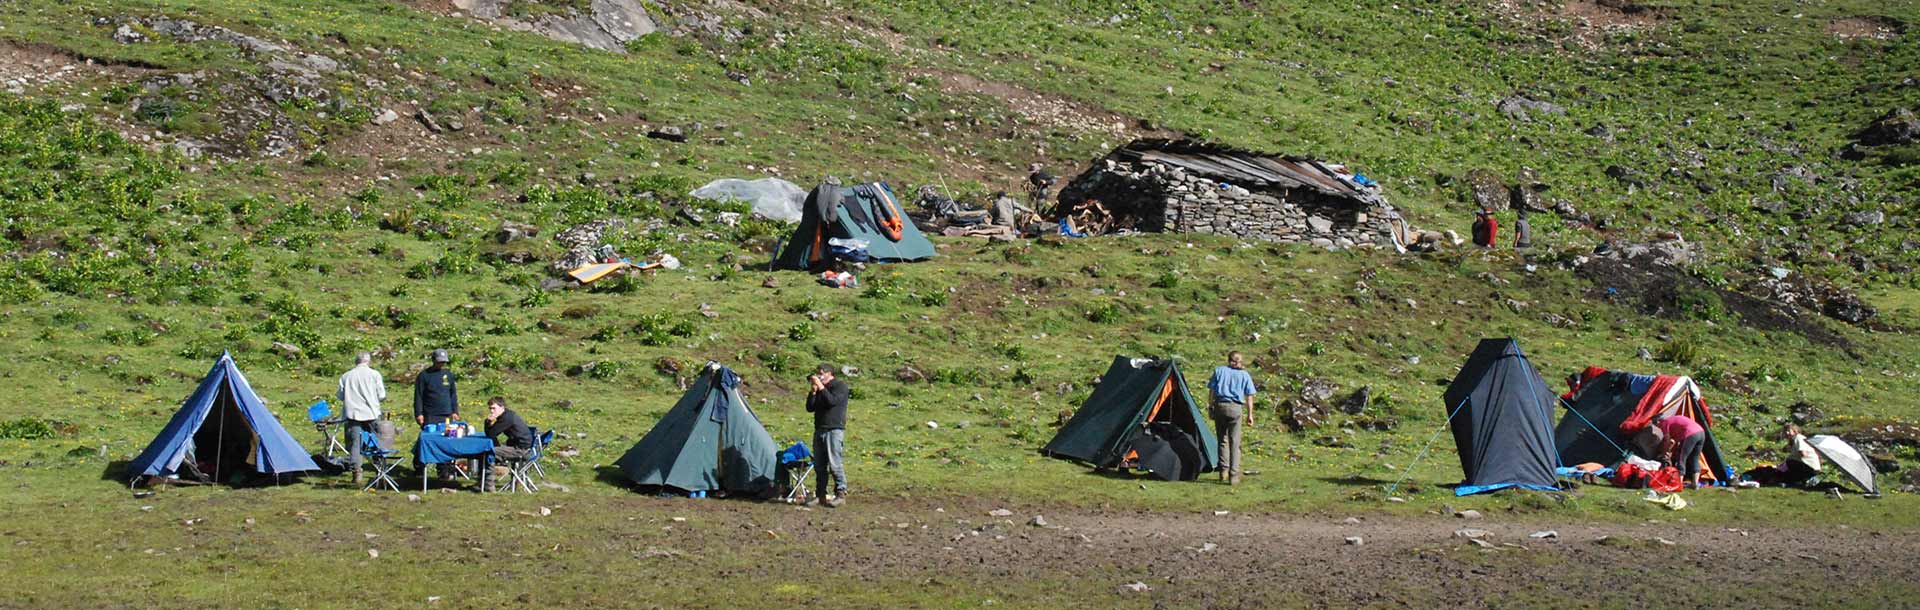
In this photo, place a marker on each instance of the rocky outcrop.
(607, 25)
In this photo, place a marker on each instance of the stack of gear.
(1609, 417)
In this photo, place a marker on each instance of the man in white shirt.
(361, 391)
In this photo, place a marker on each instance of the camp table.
(434, 448)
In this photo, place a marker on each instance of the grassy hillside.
(306, 221)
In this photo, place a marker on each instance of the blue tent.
(1501, 413)
(223, 424)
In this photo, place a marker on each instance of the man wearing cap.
(434, 398)
(361, 391)
(827, 401)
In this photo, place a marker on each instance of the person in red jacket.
(1485, 228)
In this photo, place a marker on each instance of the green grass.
(134, 269)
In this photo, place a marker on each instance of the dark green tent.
(709, 441)
(1138, 398)
(867, 212)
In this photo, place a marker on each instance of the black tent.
(1501, 414)
(1140, 416)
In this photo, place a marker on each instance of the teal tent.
(223, 429)
(865, 212)
(709, 441)
(1140, 404)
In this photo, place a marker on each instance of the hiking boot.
(1234, 481)
(835, 502)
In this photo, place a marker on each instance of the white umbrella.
(1844, 457)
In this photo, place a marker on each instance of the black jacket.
(829, 406)
(433, 394)
(515, 429)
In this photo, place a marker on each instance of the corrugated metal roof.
(1246, 168)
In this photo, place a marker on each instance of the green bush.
(1678, 351)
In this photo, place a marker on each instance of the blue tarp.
(241, 412)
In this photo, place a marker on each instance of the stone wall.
(1156, 197)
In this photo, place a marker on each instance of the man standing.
(827, 401)
(517, 443)
(434, 398)
(360, 394)
(1233, 391)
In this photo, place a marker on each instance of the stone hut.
(1183, 186)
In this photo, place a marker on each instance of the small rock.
(1664, 541)
(1396, 499)
(1468, 514)
(1222, 513)
(1000, 512)
(285, 350)
(668, 132)
(770, 282)
(1355, 541)
(1542, 535)
(1135, 587)
(386, 116)
(1037, 521)
(1471, 533)
(933, 425)
(413, 497)
(374, 553)
(1352, 521)
(544, 511)
(1480, 543)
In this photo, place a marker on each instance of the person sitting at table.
(518, 441)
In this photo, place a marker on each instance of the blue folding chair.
(540, 442)
(797, 461)
(323, 422)
(384, 460)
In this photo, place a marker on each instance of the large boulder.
(772, 198)
(1897, 126)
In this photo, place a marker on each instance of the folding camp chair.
(323, 422)
(384, 460)
(540, 442)
(519, 470)
(797, 461)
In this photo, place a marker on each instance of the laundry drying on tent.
(710, 441)
(1501, 414)
(856, 224)
(1140, 417)
(1609, 416)
(223, 432)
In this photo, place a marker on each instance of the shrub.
(1106, 312)
(804, 331)
(1678, 351)
(30, 428)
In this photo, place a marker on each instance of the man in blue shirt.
(1233, 391)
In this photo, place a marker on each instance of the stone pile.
(1160, 197)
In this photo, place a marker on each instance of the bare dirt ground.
(1246, 560)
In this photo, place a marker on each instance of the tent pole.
(1423, 450)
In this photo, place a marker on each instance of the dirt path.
(1239, 560)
